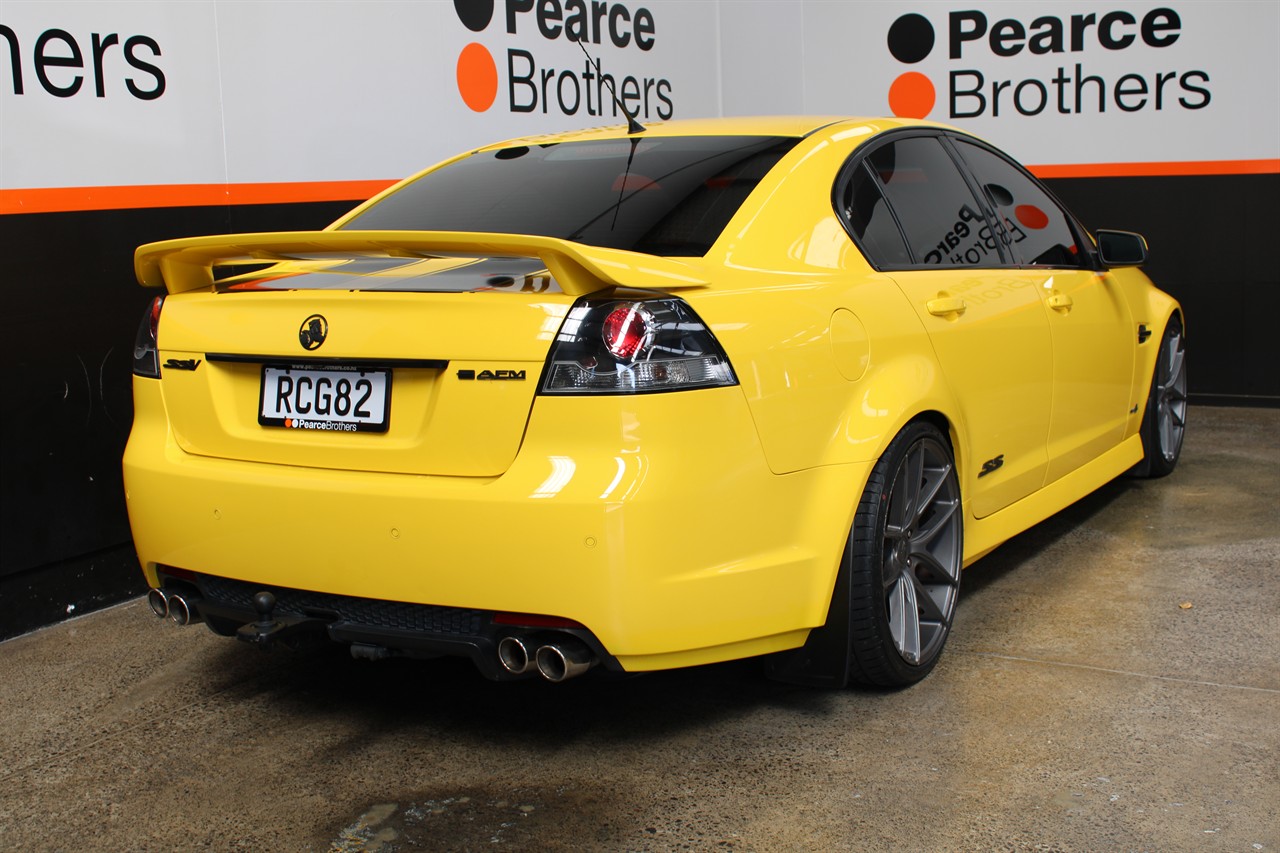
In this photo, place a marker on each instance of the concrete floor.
(1113, 683)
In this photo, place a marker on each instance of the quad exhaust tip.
(561, 661)
(556, 660)
(183, 609)
(158, 601)
(180, 608)
(517, 654)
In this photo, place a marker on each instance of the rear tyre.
(1164, 423)
(905, 551)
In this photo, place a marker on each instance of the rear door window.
(862, 207)
(943, 223)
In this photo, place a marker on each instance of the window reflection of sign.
(982, 250)
(1048, 249)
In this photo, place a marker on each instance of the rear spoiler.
(187, 264)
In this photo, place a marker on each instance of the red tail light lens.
(153, 315)
(626, 329)
(146, 356)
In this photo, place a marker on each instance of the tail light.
(634, 346)
(146, 356)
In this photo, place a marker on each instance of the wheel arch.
(1148, 353)
(948, 428)
(823, 661)
(1151, 309)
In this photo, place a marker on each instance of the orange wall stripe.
(1142, 170)
(60, 199)
(57, 199)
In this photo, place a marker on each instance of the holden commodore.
(642, 399)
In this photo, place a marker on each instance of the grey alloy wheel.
(907, 552)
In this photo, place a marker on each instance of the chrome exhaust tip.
(517, 655)
(183, 609)
(158, 601)
(564, 659)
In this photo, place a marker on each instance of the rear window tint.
(660, 195)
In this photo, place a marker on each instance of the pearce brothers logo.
(533, 86)
(1067, 42)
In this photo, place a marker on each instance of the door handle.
(946, 305)
(1060, 302)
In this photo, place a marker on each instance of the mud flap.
(823, 661)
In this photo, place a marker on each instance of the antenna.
(633, 126)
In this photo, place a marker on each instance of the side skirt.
(982, 535)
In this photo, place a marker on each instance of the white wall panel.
(117, 139)
(349, 90)
(760, 45)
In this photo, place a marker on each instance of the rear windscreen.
(661, 196)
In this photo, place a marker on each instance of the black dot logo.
(474, 14)
(910, 38)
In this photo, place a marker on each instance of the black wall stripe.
(1214, 242)
(71, 309)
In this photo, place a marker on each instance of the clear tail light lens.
(634, 346)
(146, 355)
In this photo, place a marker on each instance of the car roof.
(779, 125)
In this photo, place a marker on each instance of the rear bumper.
(654, 521)
(381, 628)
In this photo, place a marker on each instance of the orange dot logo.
(477, 77)
(912, 95)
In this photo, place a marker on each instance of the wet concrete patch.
(569, 817)
(474, 819)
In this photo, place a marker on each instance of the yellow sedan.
(640, 400)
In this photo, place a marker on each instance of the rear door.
(986, 325)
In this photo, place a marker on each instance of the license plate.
(332, 399)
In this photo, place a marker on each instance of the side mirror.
(1121, 248)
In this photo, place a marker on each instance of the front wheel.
(906, 551)
(1164, 422)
